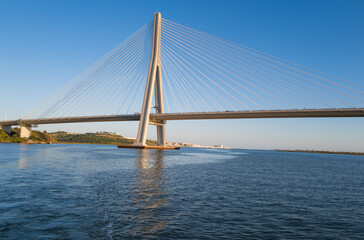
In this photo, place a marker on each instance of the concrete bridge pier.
(154, 82)
(25, 131)
(7, 129)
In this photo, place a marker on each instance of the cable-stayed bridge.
(167, 71)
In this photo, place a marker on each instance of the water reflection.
(22, 163)
(142, 196)
(148, 194)
(23, 156)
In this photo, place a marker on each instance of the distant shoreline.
(317, 151)
(210, 147)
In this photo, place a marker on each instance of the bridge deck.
(306, 113)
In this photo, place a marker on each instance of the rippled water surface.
(101, 192)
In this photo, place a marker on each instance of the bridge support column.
(25, 131)
(7, 129)
(154, 82)
(161, 131)
(161, 135)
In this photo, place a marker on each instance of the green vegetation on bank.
(64, 137)
(41, 137)
(94, 138)
(14, 137)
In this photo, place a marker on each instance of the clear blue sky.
(44, 44)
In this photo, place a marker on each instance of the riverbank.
(38, 137)
(101, 138)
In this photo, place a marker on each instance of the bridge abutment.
(25, 131)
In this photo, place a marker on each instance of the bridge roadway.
(304, 113)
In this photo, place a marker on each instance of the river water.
(101, 192)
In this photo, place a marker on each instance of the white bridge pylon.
(154, 81)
